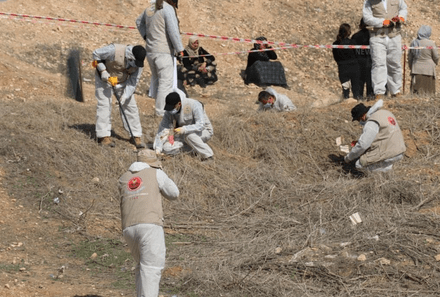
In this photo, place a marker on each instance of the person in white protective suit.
(384, 19)
(159, 27)
(141, 188)
(269, 99)
(381, 143)
(188, 121)
(125, 62)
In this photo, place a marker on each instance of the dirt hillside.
(269, 219)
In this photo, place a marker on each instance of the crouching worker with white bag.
(184, 121)
(141, 189)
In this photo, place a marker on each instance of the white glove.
(123, 100)
(105, 76)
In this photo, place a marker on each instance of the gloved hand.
(179, 56)
(346, 160)
(105, 76)
(113, 80)
(122, 100)
(180, 130)
(386, 23)
(398, 19)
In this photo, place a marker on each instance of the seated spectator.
(201, 68)
(260, 70)
(269, 99)
(362, 37)
(422, 62)
(348, 67)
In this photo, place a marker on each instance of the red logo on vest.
(134, 183)
(392, 121)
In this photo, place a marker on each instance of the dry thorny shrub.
(277, 188)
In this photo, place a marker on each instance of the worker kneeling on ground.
(124, 64)
(187, 120)
(381, 143)
(269, 99)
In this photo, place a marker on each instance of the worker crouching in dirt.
(381, 143)
(269, 99)
(126, 63)
(187, 120)
(141, 189)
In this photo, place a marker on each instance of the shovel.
(113, 82)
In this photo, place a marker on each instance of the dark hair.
(344, 32)
(264, 95)
(362, 24)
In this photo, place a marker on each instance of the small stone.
(384, 261)
(362, 258)
(95, 180)
(22, 269)
(93, 256)
(437, 258)
(278, 250)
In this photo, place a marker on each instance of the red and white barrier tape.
(224, 38)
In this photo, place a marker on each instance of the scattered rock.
(384, 261)
(362, 258)
(437, 258)
(93, 256)
(7, 286)
(278, 250)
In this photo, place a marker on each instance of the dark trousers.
(350, 72)
(365, 77)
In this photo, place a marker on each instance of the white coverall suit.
(282, 102)
(197, 128)
(160, 29)
(125, 90)
(147, 240)
(386, 51)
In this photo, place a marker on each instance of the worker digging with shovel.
(118, 70)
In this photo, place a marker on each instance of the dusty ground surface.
(38, 240)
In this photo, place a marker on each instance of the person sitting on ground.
(187, 120)
(201, 68)
(141, 189)
(422, 62)
(126, 63)
(260, 70)
(348, 67)
(381, 143)
(362, 37)
(269, 99)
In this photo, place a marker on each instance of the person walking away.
(385, 19)
(126, 63)
(269, 99)
(159, 27)
(381, 143)
(141, 189)
(362, 37)
(348, 67)
(422, 62)
(191, 124)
